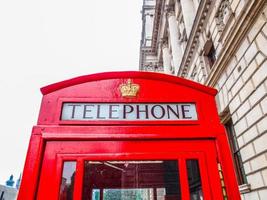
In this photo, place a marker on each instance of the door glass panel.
(131, 180)
(67, 180)
(194, 180)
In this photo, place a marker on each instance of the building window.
(239, 168)
(209, 54)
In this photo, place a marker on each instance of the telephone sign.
(130, 111)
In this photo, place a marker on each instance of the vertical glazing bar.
(154, 193)
(58, 175)
(183, 179)
(78, 184)
(101, 193)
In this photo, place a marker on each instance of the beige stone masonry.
(262, 125)
(264, 30)
(251, 52)
(240, 141)
(230, 82)
(237, 86)
(225, 96)
(249, 71)
(264, 174)
(239, 68)
(259, 162)
(256, 28)
(251, 196)
(246, 90)
(256, 96)
(231, 65)
(222, 80)
(262, 43)
(234, 104)
(243, 109)
(263, 104)
(242, 49)
(260, 75)
(255, 180)
(263, 194)
(240, 126)
(259, 58)
(250, 134)
(260, 144)
(247, 152)
(221, 101)
(247, 167)
(254, 115)
(234, 118)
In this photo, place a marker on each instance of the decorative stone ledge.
(245, 188)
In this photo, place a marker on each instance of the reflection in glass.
(67, 181)
(131, 180)
(194, 180)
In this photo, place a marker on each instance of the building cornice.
(156, 24)
(234, 38)
(200, 18)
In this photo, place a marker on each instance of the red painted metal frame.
(103, 87)
(56, 153)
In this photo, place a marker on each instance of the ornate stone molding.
(223, 14)
(234, 38)
(194, 36)
(164, 43)
(169, 9)
(157, 18)
(153, 67)
(169, 14)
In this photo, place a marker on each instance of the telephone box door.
(149, 170)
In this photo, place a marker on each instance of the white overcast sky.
(46, 41)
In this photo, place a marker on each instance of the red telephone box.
(128, 135)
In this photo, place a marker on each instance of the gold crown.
(129, 89)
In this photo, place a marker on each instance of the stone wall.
(242, 87)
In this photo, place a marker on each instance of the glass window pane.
(239, 168)
(131, 180)
(194, 180)
(67, 180)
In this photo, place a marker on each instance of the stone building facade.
(222, 44)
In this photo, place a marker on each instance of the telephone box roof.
(126, 74)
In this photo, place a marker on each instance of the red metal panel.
(184, 180)
(79, 179)
(30, 177)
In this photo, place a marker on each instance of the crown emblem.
(129, 89)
